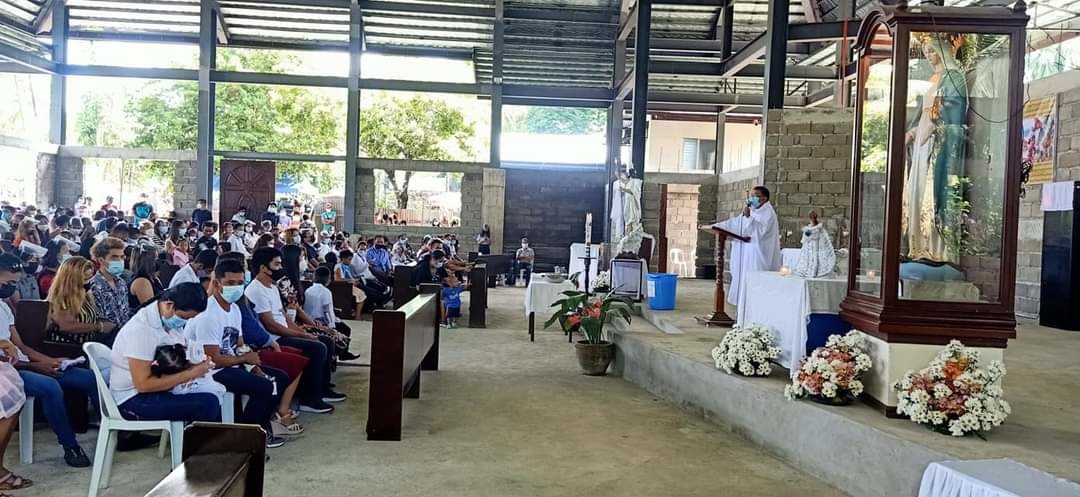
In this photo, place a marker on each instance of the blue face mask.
(755, 202)
(174, 323)
(115, 268)
(247, 278)
(232, 293)
(64, 258)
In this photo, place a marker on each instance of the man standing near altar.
(762, 252)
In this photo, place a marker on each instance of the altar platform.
(1043, 387)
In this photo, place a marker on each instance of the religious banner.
(1039, 143)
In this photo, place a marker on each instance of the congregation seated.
(146, 279)
(73, 310)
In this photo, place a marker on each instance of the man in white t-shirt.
(262, 293)
(318, 301)
(139, 392)
(204, 262)
(217, 331)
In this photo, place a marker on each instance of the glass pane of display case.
(954, 167)
(876, 93)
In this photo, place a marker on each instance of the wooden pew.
(478, 296)
(403, 290)
(344, 300)
(404, 342)
(219, 461)
(31, 319)
(496, 264)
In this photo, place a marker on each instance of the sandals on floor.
(14, 482)
(286, 426)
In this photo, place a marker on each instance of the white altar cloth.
(790, 257)
(542, 293)
(576, 265)
(784, 304)
(992, 478)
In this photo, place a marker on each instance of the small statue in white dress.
(817, 258)
(626, 229)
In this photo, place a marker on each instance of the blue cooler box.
(661, 291)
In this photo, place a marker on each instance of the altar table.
(538, 299)
(992, 478)
(786, 304)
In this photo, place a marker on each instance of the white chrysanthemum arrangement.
(603, 280)
(747, 351)
(832, 372)
(954, 394)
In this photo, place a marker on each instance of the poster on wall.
(1039, 141)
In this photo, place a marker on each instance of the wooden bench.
(32, 319)
(496, 264)
(341, 294)
(404, 342)
(403, 291)
(220, 460)
(478, 296)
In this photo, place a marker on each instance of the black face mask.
(277, 274)
(7, 290)
(31, 267)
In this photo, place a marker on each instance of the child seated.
(452, 289)
(172, 359)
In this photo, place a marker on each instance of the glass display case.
(936, 173)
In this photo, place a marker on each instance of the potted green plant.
(589, 314)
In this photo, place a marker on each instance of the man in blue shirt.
(378, 258)
(201, 215)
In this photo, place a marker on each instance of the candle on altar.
(588, 228)
(784, 270)
(871, 274)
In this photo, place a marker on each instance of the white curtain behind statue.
(761, 253)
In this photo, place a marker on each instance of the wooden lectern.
(719, 317)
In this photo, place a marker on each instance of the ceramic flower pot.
(594, 358)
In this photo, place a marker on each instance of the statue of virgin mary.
(937, 144)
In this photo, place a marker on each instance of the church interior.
(576, 247)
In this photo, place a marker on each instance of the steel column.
(352, 116)
(721, 124)
(58, 83)
(776, 54)
(204, 170)
(641, 86)
(727, 23)
(495, 157)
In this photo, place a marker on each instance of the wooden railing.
(404, 342)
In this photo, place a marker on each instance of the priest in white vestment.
(762, 253)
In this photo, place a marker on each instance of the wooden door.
(247, 184)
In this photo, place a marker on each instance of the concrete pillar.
(493, 206)
(69, 180)
(185, 187)
(365, 199)
(45, 190)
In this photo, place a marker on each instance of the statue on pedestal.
(626, 229)
(816, 258)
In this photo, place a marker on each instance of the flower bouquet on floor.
(954, 394)
(830, 375)
(589, 314)
(747, 351)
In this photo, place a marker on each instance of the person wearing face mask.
(241, 215)
(207, 240)
(762, 252)
(328, 218)
(109, 291)
(42, 375)
(73, 315)
(217, 331)
(238, 238)
(140, 394)
(270, 214)
(379, 263)
(201, 214)
(430, 269)
(56, 252)
(523, 261)
(265, 299)
(204, 261)
(27, 286)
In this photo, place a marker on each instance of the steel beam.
(495, 148)
(554, 102)
(626, 26)
(352, 113)
(31, 62)
(420, 7)
(557, 92)
(278, 156)
(740, 99)
(727, 25)
(625, 86)
(803, 73)
(564, 14)
(277, 79)
(204, 169)
(129, 72)
(58, 83)
(776, 53)
(223, 33)
(44, 15)
(641, 87)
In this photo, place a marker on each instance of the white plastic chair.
(683, 268)
(112, 422)
(26, 432)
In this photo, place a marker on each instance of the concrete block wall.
(69, 180)
(185, 190)
(45, 190)
(549, 207)
(707, 208)
(808, 167)
(650, 219)
(493, 205)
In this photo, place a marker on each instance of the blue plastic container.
(661, 291)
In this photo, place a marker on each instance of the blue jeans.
(262, 402)
(167, 406)
(48, 390)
